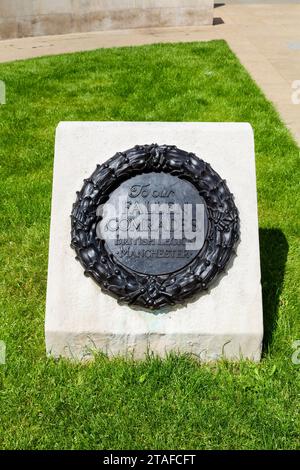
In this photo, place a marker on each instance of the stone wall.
(19, 18)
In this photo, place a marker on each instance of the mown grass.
(175, 403)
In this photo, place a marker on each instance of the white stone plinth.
(226, 321)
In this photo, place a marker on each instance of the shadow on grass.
(273, 255)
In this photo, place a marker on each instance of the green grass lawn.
(175, 403)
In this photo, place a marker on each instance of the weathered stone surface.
(20, 18)
(226, 321)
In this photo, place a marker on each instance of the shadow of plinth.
(273, 255)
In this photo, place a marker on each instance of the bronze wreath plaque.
(154, 225)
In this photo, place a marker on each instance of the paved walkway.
(266, 38)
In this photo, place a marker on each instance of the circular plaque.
(147, 192)
(154, 225)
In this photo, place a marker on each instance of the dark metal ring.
(154, 291)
